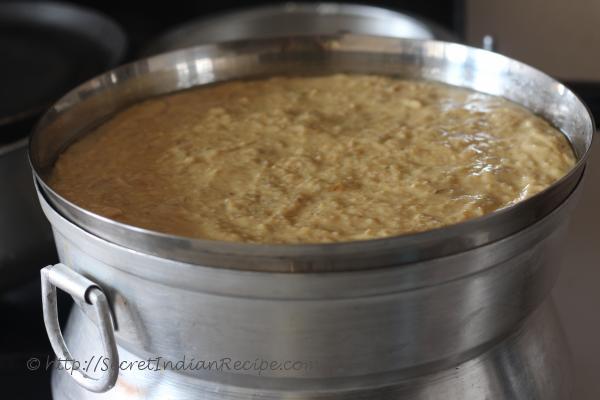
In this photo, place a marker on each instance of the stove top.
(23, 341)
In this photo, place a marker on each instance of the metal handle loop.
(82, 289)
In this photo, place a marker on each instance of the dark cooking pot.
(49, 48)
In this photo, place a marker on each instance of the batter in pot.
(312, 159)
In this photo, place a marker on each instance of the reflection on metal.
(296, 19)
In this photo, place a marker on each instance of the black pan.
(46, 49)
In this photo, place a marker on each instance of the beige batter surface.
(312, 159)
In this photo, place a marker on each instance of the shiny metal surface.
(363, 332)
(451, 63)
(530, 364)
(85, 293)
(296, 19)
(25, 234)
(576, 292)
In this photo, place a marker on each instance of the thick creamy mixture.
(312, 159)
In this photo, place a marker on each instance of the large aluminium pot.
(433, 315)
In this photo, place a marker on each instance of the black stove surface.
(24, 347)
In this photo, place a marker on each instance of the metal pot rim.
(167, 40)
(366, 254)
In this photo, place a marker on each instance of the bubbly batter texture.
(312, 159)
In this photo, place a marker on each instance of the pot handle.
(89, 294)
